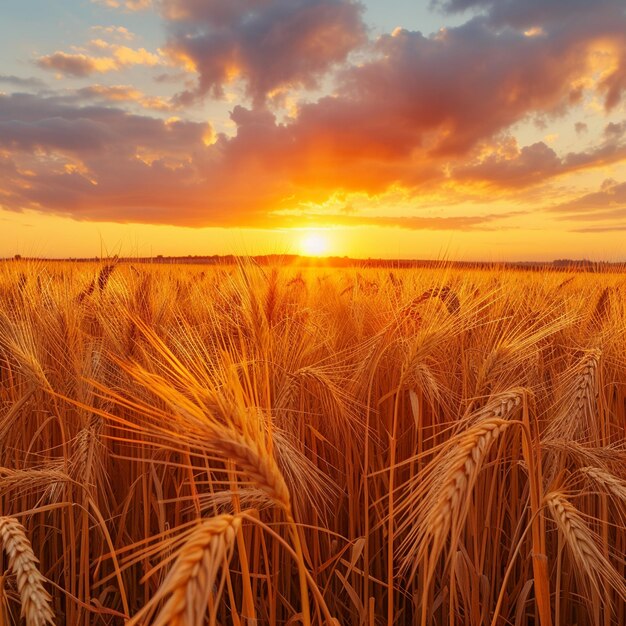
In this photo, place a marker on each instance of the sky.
(461, 129)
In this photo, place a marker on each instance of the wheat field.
(244, 445)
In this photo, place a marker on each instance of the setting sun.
(314, 244)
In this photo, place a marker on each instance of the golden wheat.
(34, 598)
(190, 584)
(592, 566)
(426, 445)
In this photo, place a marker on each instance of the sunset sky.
(466, 129)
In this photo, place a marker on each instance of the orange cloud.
(78, 65)
(129, 5)
(269, 45)
(608, 204)
(413, 222)
(538, 162)
(123, 93)
(419, 114)
(118, 32)
(81, 65)
(131, 56)
(599, 23)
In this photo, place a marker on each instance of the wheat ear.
(258, 465)
(192, 580)
(35, 599)
(592, 566)
(609, 482)
(442, 499)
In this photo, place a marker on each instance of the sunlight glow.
(314, 244)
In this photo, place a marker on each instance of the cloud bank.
(425, 114)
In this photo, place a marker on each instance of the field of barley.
(194, 445)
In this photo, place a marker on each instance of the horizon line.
(330, 260)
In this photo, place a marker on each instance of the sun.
(314, 244)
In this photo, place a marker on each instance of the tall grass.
(248, 445)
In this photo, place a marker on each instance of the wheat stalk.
(23, 563)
